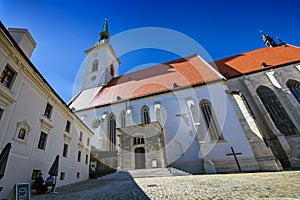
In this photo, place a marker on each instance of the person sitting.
(50, 182)
(40, 184)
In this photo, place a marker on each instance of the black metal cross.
(236, 160)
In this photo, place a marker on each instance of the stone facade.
(145, 137)
(267, 142)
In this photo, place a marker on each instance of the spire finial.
(268, 40)
(104, 35)
(262, 33)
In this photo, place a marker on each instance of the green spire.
(104, 35)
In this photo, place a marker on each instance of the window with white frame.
(65, 150)
(7, 76)
(145, 115)
(95, 66)
(68, 126)
(22, 131)
(48, 110)
(112, 132)
(211, 121)
(42, 141)
(80, 136)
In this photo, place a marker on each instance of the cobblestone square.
(267, 185)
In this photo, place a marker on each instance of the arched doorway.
(140, 159)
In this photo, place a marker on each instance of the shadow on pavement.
(119, 185)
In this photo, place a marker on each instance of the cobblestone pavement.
(272, 185)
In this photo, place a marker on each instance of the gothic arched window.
(158, 115)
(122, 119)
(95, 66)
(112, 132)
(112, 70)
(145, 115)
(295, 88)
(277, 112)
(211, 121)
(242, 103)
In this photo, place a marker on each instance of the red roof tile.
(252, 61)
(159, 78)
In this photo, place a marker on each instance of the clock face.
(93, 78)
(96, 123)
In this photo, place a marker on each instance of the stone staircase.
(156, 172)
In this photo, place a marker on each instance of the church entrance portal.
(140, 159)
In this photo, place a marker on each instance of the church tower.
(268, 40)
(101, 63)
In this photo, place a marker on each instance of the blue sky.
(64, 29)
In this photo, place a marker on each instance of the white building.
(176, 114)
(35, 120)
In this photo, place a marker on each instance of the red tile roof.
(159, 78)
(252, 61)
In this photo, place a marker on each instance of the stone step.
(156, 172)
(178, 172)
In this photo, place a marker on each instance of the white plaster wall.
(26, 100)
(181, 138)
(105, 58)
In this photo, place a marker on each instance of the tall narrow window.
(122, 119)
(158, 113)
(112, 132)
(79, 156)
(112, 70)
(42, 141)
(7, 76)
(95, 66)
(48, 110)
(68, 126)
(138, 140)
(211, 121)
(80, 136)
(277, 112)
(86, 159)
(295, 88)
(88, 141)
(1, 113)
(62, 176)
(242, 102)
(145, 115)
(65, 150)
